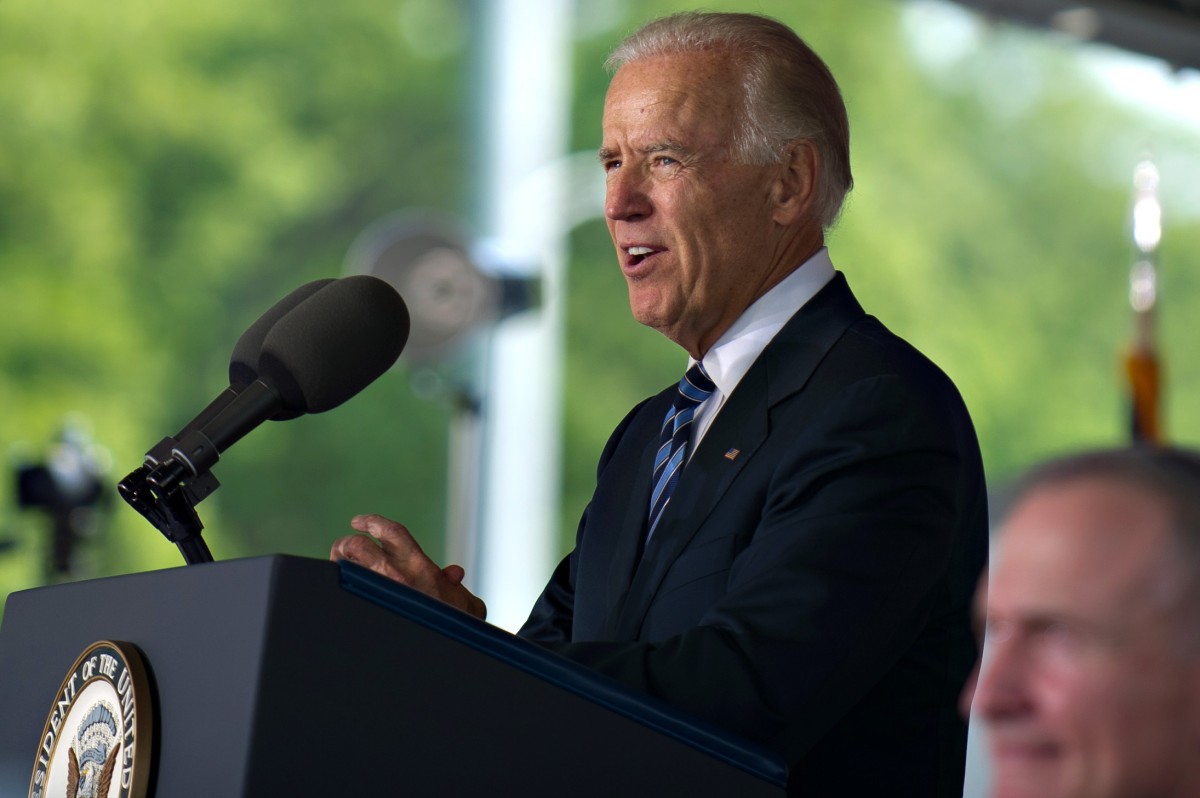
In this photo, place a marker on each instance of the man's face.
(1084, 688)
(692, 226)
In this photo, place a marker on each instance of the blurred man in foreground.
(1090, 685)
(786, 542)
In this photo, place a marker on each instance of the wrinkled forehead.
(703, 83)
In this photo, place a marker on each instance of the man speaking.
(787, 541)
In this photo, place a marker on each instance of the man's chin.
(646, 309)
(1027, 769)
(1033, 779)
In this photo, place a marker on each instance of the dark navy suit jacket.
(809, 585)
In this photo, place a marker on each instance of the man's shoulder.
(868, 336)
(833, 340)
(868, 349)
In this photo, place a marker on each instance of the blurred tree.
(167, 172)
(165, 175)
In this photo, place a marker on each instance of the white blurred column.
(524, 87)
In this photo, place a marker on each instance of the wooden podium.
(285, 676)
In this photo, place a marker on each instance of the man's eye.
(611, 165)
(1063, 642)
(665, 160)
(1061, 635)
(996, 631)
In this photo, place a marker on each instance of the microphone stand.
(170, 504)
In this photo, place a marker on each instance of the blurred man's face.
(1085, 687)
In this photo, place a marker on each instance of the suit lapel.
(631, 533)
(733, 440)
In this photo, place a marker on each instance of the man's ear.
(796, 182)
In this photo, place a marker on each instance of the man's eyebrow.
(666, 144)
(669, 145)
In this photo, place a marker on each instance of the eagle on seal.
(93, 785)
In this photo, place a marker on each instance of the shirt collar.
(728, 360)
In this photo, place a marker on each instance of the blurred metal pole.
(524, 77)
(1143, 369)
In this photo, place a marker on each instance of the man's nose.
(625, 198)
(1001, 689)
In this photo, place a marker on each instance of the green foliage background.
(168, 171)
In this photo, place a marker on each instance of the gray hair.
(788, 92)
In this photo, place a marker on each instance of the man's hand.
(389, 549)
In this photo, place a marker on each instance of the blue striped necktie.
(672, 454)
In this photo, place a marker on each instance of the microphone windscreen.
(333, 344)
(243, 363)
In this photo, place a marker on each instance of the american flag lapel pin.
(732, 454)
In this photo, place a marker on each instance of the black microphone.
(243, 365)
(319, 354)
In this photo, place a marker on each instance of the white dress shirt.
(728, 360)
